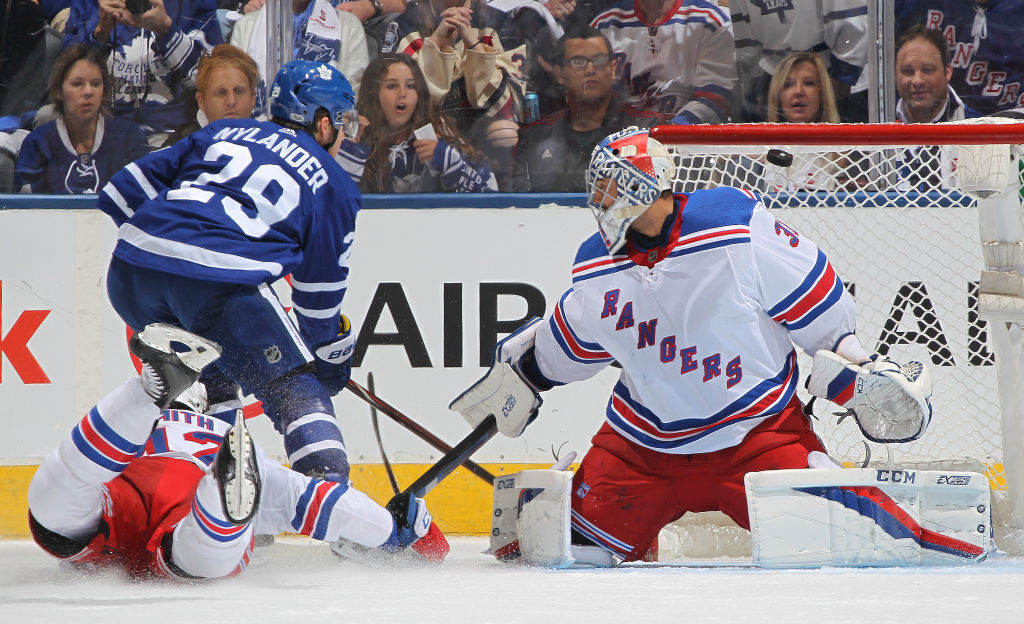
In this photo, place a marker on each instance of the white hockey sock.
(329, 511)
(62, 502)
(66, 493)
(205, 543)
(111, 434)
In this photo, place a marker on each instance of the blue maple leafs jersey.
(247, 202)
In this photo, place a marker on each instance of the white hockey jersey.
(769, 30)
(703, 326)
(684, 64)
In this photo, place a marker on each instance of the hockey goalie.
(703, 299)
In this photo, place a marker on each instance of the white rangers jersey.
(769, 30)
(684, 64)
(704, 326)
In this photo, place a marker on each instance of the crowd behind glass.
(476, 95)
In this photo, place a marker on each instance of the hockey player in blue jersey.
(207, 225)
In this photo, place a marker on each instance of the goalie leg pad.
(868, 518)
(530, 520)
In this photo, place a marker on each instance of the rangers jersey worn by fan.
(703, 326)
(685, 63)
(985, 47)
(180, 211)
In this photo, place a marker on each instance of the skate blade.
(241, 494)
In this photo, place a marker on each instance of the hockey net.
(896, 209)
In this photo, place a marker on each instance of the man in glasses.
(553, 153)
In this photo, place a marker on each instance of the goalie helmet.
(302, 87)
(628, 172)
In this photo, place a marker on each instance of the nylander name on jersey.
(243, 202)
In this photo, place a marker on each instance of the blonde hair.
(227, 55)
(828, 112)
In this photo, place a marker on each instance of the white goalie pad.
(890, 402)
(501, 392)
(868, 518)
(530, 519)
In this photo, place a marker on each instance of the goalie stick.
(416, 428)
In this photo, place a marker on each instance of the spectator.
(553, 153)
(767, 32)
(538, 26)
(922, 79)
(320, 33)
(673, 56)
(470, 73)
(82, 148)
(800, 91)
(400, 155)
(153, 57)
(984, 47)
(27, 56)
(226, 87)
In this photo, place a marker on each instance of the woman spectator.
(460, 46)
(79, 150)
(408, 146)
(801, 92)
(152, 55)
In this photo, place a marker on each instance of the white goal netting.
(889, 205)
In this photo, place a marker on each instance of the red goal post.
(896, 208)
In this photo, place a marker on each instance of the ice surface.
(297, 582)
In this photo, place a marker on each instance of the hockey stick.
(380, 443)
(454, 458)
(415, 428)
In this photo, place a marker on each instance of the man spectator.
(768, 32)
(983, 37)
(554, 152)
(922, 79)
(152, 55)
(673, 56)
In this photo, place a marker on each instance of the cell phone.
(137, 7)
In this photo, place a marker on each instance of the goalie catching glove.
(334, 359)
(505, 391)
(890, 402)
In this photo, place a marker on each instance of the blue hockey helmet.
(301, 87)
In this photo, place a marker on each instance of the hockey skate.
(237, 474)
(172, 360)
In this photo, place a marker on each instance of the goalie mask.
(628, 172)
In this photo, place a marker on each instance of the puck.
(780, 158)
